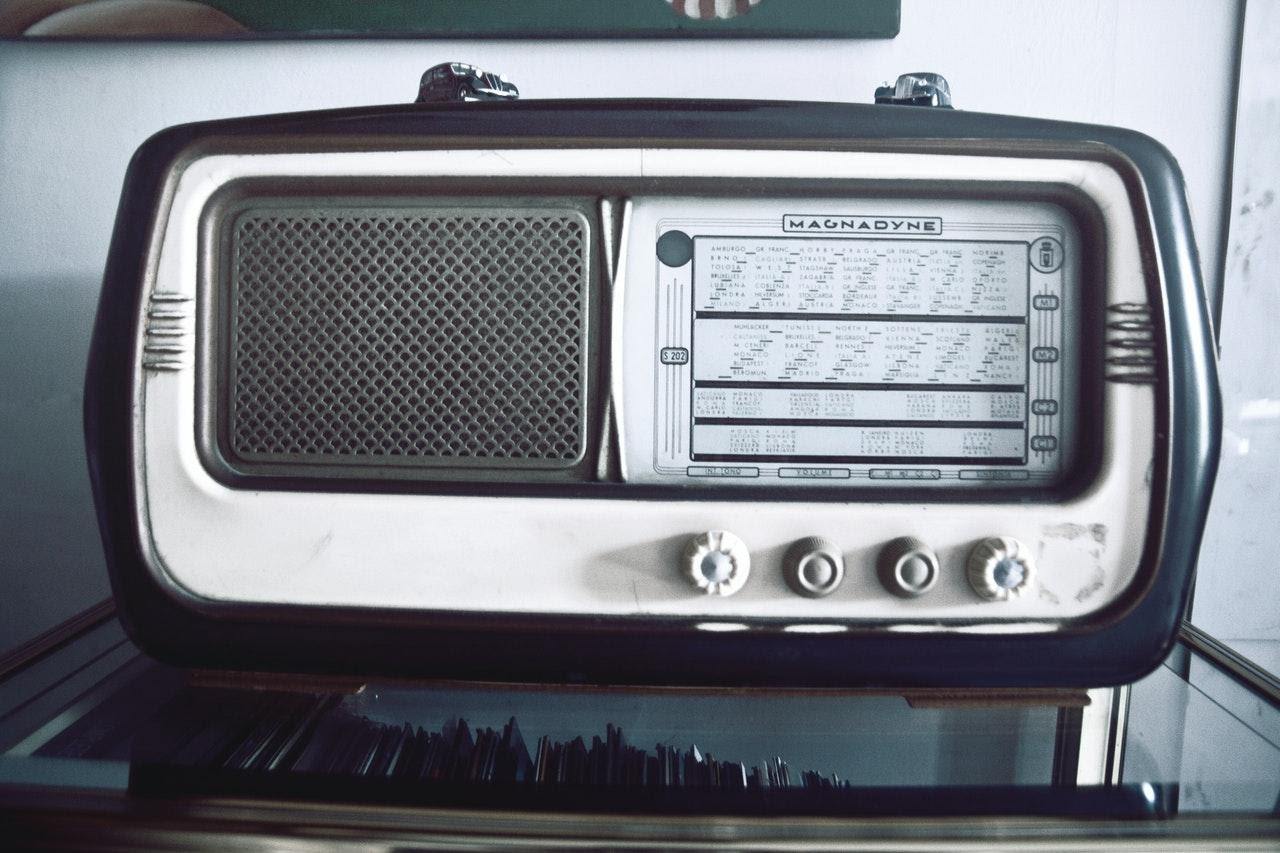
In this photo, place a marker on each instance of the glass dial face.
(866, 342)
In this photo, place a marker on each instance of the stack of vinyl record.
(315, 735)
(211, 742)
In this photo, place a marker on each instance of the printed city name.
(807, 223)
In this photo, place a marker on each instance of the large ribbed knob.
(907, 567)
(813, 567)
(1000, 568)
(716, 562)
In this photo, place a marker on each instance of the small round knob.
(813, 567)
(907, 567)
(717, 562)
(1000, 568)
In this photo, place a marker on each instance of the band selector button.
(907, 567)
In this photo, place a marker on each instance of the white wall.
(71, 115)
(1238, 589)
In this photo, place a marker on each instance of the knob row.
(998, 568)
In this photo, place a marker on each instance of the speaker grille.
(422, 338)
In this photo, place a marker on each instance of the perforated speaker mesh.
(408, 337)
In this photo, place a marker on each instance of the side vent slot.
(1131, 352)
(168, 331)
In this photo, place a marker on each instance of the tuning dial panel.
(813, 567)
(1000, 568)
(717, 562)
(907, 567)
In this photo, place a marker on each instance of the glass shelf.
(92, 730)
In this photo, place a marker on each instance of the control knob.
(717, 562)
(907, 567)
(813, 567)
(1000, 568)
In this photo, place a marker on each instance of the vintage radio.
(655, 392)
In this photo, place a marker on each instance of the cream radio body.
(808, 394)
